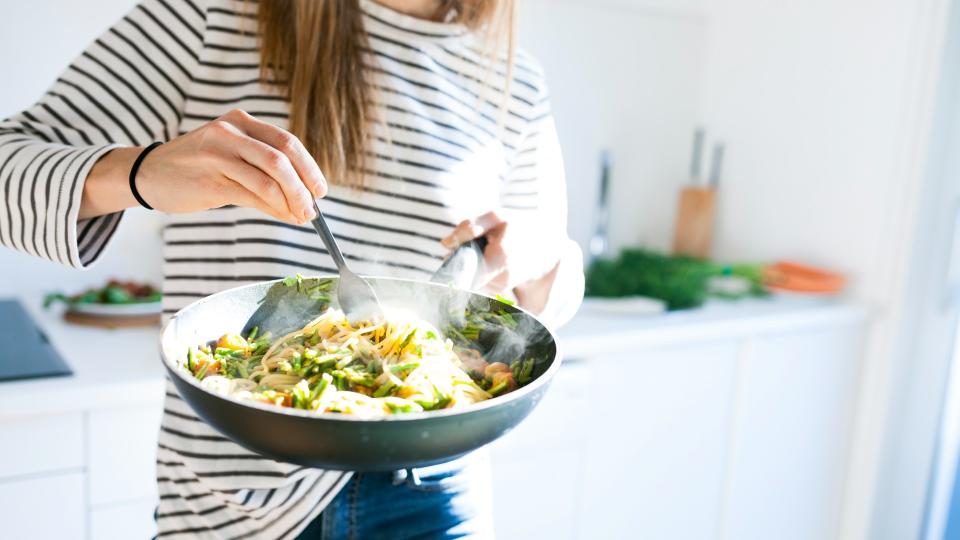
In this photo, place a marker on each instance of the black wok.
(335, 441)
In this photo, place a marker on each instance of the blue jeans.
(451, 500)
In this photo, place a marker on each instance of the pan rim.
(542, 380)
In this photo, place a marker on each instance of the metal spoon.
(357, 298)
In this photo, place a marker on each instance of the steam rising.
(287, 308)
(447, 306)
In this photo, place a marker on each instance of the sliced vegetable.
(370, 368)
(234, 342)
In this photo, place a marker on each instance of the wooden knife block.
(693, 232)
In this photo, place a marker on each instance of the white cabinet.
(738, 435)
(123, 450)
(789, 447)
(620, 446)
(50, 507)
(41, 443)
(536, 496)
(535, 472)
(655, 443)
(84, 475)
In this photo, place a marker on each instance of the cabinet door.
(38, 444)
(536, 467)
(789, 448)
(123, 449)
(44, 508)
(655, 443)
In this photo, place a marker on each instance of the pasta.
(399, 364)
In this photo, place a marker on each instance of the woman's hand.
(235, 159)
(510, 262)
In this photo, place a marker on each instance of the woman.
(412, 121)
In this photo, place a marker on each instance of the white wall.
(38, 39)
(826, 107)
(624, 75)
(806, 94)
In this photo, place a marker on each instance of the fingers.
(277, 154)
(495, 271)
(497, 284)
(289, 145)
(266, 190)
(248, 199)
(469, 229)
(277, 166)
(464, 232)
(494, 274)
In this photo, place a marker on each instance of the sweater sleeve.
(534, 197)
(126, 89)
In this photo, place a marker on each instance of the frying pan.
(338, 441)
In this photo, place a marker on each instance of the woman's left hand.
(510, 262)
(496, 272)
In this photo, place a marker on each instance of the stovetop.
(25, 351)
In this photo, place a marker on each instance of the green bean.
(498, 389)
(400, 368)
(386, 389)
(526, 372)
(325, 364)
(339, 378)
(344, 362)
(406, 340)
(362, 379)
(325, 381)
(297, 361)
(223, 351)
(399, 407)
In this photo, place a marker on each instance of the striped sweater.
(449, 144)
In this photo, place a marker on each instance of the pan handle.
(462, 267)
(412, 478)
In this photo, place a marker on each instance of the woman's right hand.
(235, 159)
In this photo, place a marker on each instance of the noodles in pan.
(398, 364)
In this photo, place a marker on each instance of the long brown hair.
(315, 51)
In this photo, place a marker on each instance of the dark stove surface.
(25, 351)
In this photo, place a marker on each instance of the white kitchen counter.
(121, 367)
(593, 334)
(111, 368)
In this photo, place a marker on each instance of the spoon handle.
(323, 230)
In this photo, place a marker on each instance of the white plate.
(627, 305)
(118, 310)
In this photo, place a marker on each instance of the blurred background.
(768, 350)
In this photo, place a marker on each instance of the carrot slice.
(796, 277)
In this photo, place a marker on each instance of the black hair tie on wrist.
(133, 174)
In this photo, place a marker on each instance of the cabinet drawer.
(41, 443)
(123, 449)
(44, 507)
